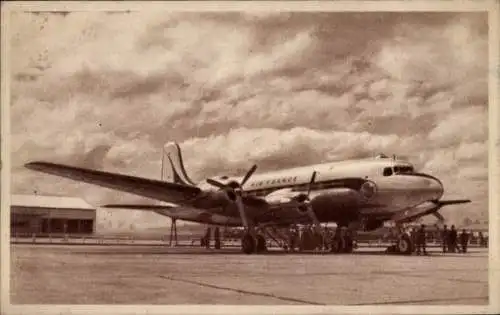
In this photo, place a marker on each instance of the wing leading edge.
(144, 187)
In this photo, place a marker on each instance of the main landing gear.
(173, 233)
(251, 244)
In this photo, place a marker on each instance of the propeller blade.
(248, 174)
(241, 210)
(317, 225)
(439, 216)
(216, 183)
(313, 177)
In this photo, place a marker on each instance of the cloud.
(234, 89)
(461, 126)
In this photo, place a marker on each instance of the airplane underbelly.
(336, 207)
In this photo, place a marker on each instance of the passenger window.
(387, 171)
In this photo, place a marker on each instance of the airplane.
(357, 195)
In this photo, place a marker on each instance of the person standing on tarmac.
(217, 238)
(421, 240)
(464, 240)
(338, 243)
(413, 237)
(445, 238)
(453, 239)
(335, 240)
(343, 239)
(481, 239)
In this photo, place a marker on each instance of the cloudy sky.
(235, 89)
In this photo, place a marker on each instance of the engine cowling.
(295, 199)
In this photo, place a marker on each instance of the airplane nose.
(435, 186)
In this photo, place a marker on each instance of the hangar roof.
(38, 201)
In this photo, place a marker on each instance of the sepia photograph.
(276, 157)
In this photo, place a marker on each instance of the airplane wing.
(144, 187)
(426, 208)
(182, 213)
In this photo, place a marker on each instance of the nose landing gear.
(404, 244)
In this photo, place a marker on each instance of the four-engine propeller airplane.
(357, 194)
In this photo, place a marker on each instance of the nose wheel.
(404, 244)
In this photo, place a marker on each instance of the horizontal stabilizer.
(182, 213)
(138, 207)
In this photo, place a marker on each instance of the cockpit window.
(403, 169)
(387, 171)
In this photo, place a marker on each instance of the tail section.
(172, 166)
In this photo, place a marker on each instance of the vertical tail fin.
(172, 166)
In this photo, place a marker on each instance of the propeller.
(233, 188)
(304, 198)
(306, 204)
(234, 192)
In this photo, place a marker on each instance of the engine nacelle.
(282, 196)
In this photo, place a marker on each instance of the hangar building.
(44, 215)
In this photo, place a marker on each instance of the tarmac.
(152, 274)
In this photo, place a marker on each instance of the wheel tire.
(248, 244)
(261, 245)
(404, 245)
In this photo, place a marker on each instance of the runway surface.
(60, 274)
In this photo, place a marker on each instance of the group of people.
(419, 238)
(450, 240)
